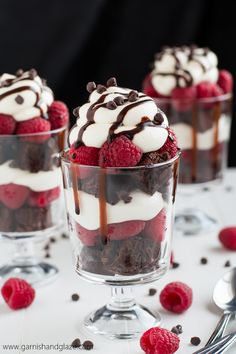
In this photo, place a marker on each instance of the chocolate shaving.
(133, 96)
(19, 72)
(32, 73)
(19, 99)
(91, 86)
(111, 82)
(158, 119)
(111, 105)
(101, 88)
(119, 100)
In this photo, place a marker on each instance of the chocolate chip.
(203, 260)
(53, 240)
(119, 100)
(195, 341)
(133, 96)
(47, 255)
(19, 99)
(111, 82)
(88, 345)
(177, 329)
(158, 119)
(65, 236)
(32, 73)
(152, 292)
(76, 111)
(91, 86)
(227, 264)
(19, 72)
(76, 343)
(111, 105)
(47, 247)
(101, 88)
(75, 297)
(175, 265)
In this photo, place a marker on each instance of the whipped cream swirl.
(112, 111)
(182, 67)
(24, 95)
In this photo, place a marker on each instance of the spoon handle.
(220, 328)
(219, 346)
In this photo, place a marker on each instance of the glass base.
(37, 274)
(121, 324)
(193, 222)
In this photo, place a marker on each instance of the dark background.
(71, 42)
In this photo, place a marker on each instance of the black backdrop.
(71, 42)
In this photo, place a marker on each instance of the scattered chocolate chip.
(132, 96)
(195, 341)
(205, 189)
(19, 99)
(19, 72)
(32, 73)
(227, 264)
(76, 111)
(203, 260)
(47, 247)
(177, 329)
(111, 82)
(175, 265)
(158, 119)
(88, 345)
(75, 297)
(76, 343)
(91, 86)
(64, 236)
(47, 255)
(111, 105)
(119, 100)
(101, 88)
(53, 240)
(152, 292)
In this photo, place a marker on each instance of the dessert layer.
(39, 181)
(89, 216)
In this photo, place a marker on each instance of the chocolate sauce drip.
(74, 178)
(175, 179)
(102, 205)
(216, 118)
(194, 140)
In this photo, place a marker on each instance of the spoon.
(224, 296)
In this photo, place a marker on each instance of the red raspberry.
(207, 90)
(227, 237)
(84, 155)
(87, 237)
(34, 125)
(7, 124)
(54, 194)
(176, 297)
(183, 97)
(58, 114)
(122, 230)
(120, 153)
(42, 199)
(155, 228)
(159, 340)
(225, 81)
(17, 293)
(13, 195)
(171, 144)
(149, 90)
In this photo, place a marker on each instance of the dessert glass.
(202, 127)
(120, 223)
(31, 204)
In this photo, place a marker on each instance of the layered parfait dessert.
(32, 132)
(196, 96)
(120, 176)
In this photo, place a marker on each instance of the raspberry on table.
(32, 126)
(7, 124)
(225, 81)
(17, 293)
(227, 237)
(58, 114)
(121, 152)
(176, 297)
(159, 340)
(13, 195)
(171, 144)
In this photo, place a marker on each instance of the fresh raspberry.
(17, 293)
(58, 114)
(176, 297)
(34, 125)
(183, 97)
(225, 81)
(87, 237)
(54, 194)
(149, 90)
(207, 89)
(42, 199)
(84, 155)
(7, 124)
(227, 237)
(159, 340)
(13, 195)
(120, 153)
(122, 230)
(171, 144)
(155, 228)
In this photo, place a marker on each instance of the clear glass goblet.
(202, 127)
(31, 202)
(120, 223)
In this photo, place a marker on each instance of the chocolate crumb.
(53, 240)
(195, 341)
(177, 329)
(75, 297)
(152, 292)
(227, 264)
(205, 189)
(203, 260)
(64, 236)
(119, 100)
(88, 345)
(158, 119)
(47, 247)
(101, 88)
(91, 86)
(19, 99)
(132, 96)
(47, 255)
(111, 82)
(111, 105)
(76, 343)
(76, 111)
(175, 265)
(32, 73)
(19, 72)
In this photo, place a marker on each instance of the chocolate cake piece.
(6, 219)
(29, 218)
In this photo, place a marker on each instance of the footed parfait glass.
(31, 202)
(202, 127)
(120, 223)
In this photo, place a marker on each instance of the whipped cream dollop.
(182, 67)
(24, 95)
(112, 111)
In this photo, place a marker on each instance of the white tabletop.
(54, 318)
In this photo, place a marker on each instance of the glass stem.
(122, 299)
(24, 253)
